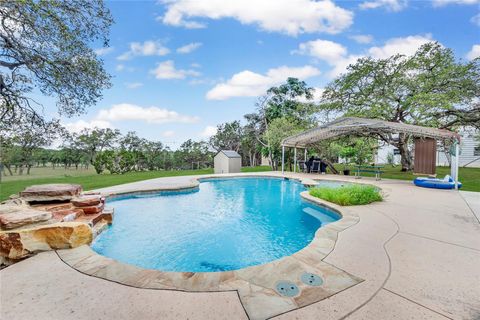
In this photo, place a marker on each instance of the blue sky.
(181, 67)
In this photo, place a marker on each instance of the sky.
(180, 68)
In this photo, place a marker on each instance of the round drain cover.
(311, 279)
(287, 288)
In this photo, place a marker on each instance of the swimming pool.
(225, 224)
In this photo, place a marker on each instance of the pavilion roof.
(363, 127)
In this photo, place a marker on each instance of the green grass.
(90, 180)
(351, 195)
(48, 172)
(256, 169)
(469, 177)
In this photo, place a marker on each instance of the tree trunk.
(9, 169)
(405, 154)
(28, 169)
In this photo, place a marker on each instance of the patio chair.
(302, 166)
(315, 167)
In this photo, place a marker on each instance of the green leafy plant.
(348, 195)
(347, 153)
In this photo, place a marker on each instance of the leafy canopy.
(45, 46)
(429, 88)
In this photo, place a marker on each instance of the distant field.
(48, 172)
(89, 179)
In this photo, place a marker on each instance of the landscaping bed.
(349, 195)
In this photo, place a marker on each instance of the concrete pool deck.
(418, 253)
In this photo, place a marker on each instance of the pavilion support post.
(283, 159)
(305, 155)
(295, 159)
(457, 155)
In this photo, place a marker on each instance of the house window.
(476, 151)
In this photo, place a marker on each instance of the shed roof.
(230, 153)
(364, 126)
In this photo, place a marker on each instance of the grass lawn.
(469, 177)
(89, 179)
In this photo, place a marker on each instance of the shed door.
(425, 156)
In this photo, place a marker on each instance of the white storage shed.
(227, 161)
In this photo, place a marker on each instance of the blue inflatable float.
(445, 183)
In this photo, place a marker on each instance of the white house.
(469, 151)
(227, 161)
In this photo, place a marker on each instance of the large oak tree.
(430, 88)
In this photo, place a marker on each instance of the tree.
(278, 130)
(291, 100)
(44, 45)
(286, 101)
(191, 152)
(92, 141)
(429, 88)
(132, 151)
(30, 139)
(154, 155)
(7, 150)
(228, 136)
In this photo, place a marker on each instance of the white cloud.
(168, 133)
(476, 20)
(407, 46)
(342, 63)
(147, 48)
(441, 3)
(79, 125)
(250, 84)
(189, 47)
(133, 85)
(126, 111)
(167, 70)
(285, 16)
(474, 52)
(390, 5)
(103, 51)
(208, 131)
(120, 67)
(322, 49)
(317, 95)
(362, 38)
(337, 55)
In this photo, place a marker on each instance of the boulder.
(86, 200)
(92, 219)
(93, 209)
(51, 192)
(67, 214)
(63, 235)
(14, 216)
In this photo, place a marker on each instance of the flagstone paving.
(416, 255)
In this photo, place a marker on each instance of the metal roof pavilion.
(365, 127)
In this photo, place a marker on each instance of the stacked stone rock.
(46, 217)
(89, 204)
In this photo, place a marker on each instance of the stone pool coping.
(255, 285)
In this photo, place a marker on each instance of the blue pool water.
(227, 224)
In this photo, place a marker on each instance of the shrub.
(348, 195)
